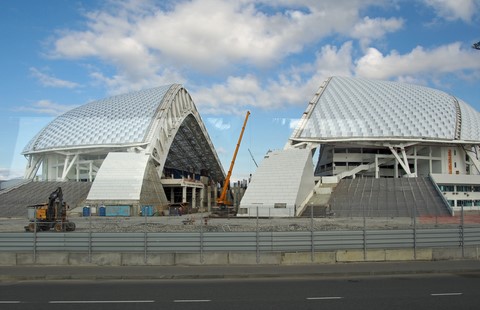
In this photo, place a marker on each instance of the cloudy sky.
(268, 57)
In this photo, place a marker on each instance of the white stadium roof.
(162, 121)
(349, 109)
(118, 120)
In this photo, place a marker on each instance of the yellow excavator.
(224, 207)
(51, 215)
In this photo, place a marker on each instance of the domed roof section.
(118, 120)
(350, 108)
(470, 122)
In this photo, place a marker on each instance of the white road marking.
(9, 301)
(447, 294)
(192, 300)
(325, 298)
(98, 301)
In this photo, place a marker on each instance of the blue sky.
(268, 57)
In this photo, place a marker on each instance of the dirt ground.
(201, 222)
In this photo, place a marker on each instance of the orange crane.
(223, 203)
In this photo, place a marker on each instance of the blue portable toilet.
(147, 211)
(86, 211)
(102, 210)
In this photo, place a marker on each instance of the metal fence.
(196, 233)
(256, 241)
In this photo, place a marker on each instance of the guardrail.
(256, 241)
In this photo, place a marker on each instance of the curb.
(55, 273)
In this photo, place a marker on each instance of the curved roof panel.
(362, 108)
(470, 128)
(117, 120)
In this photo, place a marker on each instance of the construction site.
(385, 158)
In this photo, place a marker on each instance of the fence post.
(201, 241)
(312, 253)
(364, 234)
(462, 232)
(35, 237)
(257, 241)
(145, 237)
(415, 231)
(90, 238)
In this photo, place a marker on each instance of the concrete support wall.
(237, 258)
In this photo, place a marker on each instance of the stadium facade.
(373, 129)
(143, 148)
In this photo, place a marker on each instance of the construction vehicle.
(52, 214)
(224, 207)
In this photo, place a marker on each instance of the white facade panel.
(120, 177)
(284, 178)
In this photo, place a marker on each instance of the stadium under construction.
(381, 148)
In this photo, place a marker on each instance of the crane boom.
(222, 200)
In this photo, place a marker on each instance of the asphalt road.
(382, 292)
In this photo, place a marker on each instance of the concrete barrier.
(216, 258)
(252, 259)
(107, 259)
(348, 256)
(220, 258)
(237, 258)
(8, 259)
(52, 259)
(139, 259)
(242, 258)
(80, 259)
(375, 256)
(302, 258)
(161, 259)
(399, 255)
(25, 259)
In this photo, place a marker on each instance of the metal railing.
(260, 241)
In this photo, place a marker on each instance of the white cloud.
(294, 123)
(121, 83)
(221, 150)
(293, 87)
(46, 107)
(240, 93)
(237, 43)
(334, 61)
(51, 81)
(455, 9)
(148, 44)
(4, 174)
(212, 34)
(218, 123)
(10, 174)
(445, 59)
(369, 29)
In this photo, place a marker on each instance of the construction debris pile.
(199, 222)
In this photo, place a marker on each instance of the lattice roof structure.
(356, 109)
(162, 122)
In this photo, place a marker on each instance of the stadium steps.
(386, 197)
(14, 202)
(318, 203)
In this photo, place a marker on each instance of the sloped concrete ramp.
(14, 202)
(386, 197)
